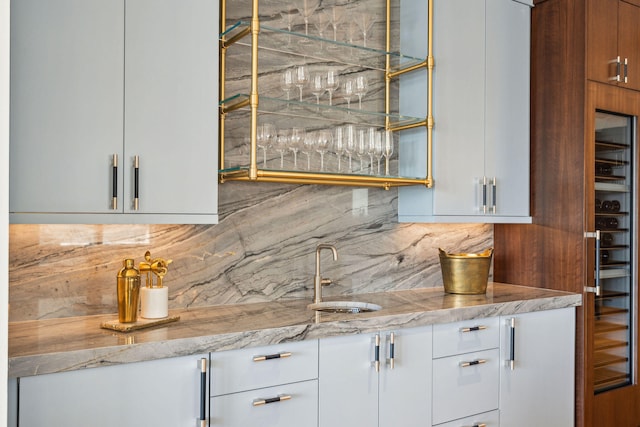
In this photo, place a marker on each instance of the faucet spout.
(318, 281)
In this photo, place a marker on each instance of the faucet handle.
(326, 282)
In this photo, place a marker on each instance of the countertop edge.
(63, 361)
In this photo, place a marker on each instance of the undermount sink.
(344, 307)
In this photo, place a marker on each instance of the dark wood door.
(602, 40)
(629, 42)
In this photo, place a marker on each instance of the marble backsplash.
(263, 249)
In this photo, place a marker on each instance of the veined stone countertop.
(66, 344)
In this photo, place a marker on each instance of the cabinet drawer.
(466, 336)
(488, 419)
(258, 367)
(465, 385)
(299, 409)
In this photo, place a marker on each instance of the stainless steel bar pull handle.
(392, 350)
(473, 328)
(203, 392)
(494, 195)
(271, 356)
(136, 182)
(484, 194)
(280, 398)
(597, 289)
(512, 348)
(626, 69)
(472, 363)
(114, 183)
(376, 356)
(616, 78)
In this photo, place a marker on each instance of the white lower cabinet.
(159, 393)
(365, 381)
(466, 369)
(539, 390)
(487, 419)
(273, 386)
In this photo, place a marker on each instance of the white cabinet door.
(347, 382)
(93, 79)
(157, 393)
(171, 93)
(352, 393)
(67, 84)
(405, 390)
(481, 116)
(539, 391)
(287, 405)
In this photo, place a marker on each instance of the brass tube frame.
(254, 174)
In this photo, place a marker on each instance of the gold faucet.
(318, 281)
(157, 266)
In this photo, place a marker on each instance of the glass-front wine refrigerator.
(615, 236)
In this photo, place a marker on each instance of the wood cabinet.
(96, 80)
(353, 391)
(613, 41)
(537, 389)
(481, 114)
(124, 395)
(556, 251)
(275, 386)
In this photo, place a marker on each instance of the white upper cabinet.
(481, 116)
(94, 80)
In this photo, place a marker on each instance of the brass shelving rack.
(240, 30)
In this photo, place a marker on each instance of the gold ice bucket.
(465, 273)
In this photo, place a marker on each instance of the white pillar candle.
(154, 302)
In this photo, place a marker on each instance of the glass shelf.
(319, 112)
(292, 43)
(310, 177)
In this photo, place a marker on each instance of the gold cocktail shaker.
(128, 292)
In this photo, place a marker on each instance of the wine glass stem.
(308, 161)
(339, 157)
(282, 160)
(330, 97)
(306, 26)
(295, 160)
(379, 165)
(350, 166)
(321, 161)
(359, 102)
(264, 160)
(300, 88)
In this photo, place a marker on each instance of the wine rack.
(614, 207)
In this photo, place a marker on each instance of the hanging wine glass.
(339, 144)
(301, 78)
(388, 149)
(306, 9)
(361, 86)
(307, 147)
(361, 146)
(372, 135)
(332, 82)
(365, 21)
(335, 14)
(296, 139)
(281, 144)
(322, 141)
(287, 82)
(264, 135)
(350, 142)
(317, 85)
(321, 22)
(288, 18)
(378, 150)
(347, 91)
